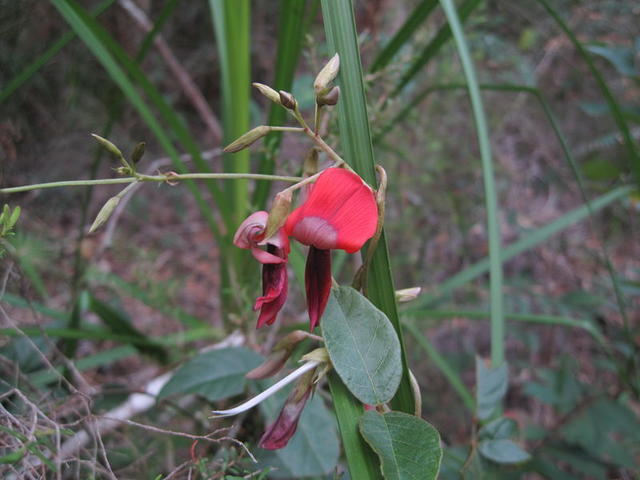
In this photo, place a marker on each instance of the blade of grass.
(231, 21)
(616, 112)
(290, 35)
(30, 70)
(411, 24)
(439, 361)
(355, 140)
(586, 325)
(86, 30)
(530, 241)
(434, 46)
(546, 108)
(491, 201)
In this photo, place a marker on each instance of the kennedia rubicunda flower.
(340, 212)
(280, 432)
(250, 235)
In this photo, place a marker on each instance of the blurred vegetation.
(86, 320)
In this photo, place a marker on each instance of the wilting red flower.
(340, 212)
(275, 282)
(280, 432)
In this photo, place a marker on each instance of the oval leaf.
(492, 386)
(215, 375)
(502, 451)
(408, 447)
(362, 345)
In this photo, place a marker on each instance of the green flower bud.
(108, 146)
(327, 75)
(247, 139)
(104, 213)
(138, 152)
(278, 214)
(268, 92)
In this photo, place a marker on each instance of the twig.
(189, 88)
(134, 405)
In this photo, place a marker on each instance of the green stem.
(152, 178)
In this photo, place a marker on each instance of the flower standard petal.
(340, 212)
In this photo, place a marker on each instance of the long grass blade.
(93, 36)
(231, 21)
(439, 361)
(633, 152)
(491, 201)
(30, 70)
(355, 139)
(434, 46)
(530, 241)
(411, 24)
(290, 35)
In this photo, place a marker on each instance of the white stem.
(243, 407)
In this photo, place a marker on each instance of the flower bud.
(104, 213)
(138, 152)
(408, 294)
(108, 146)
(327, 75)
(247, 139)
(331, 98)
(276, 360)
(287, 100)
(268, 92)
(278, 214)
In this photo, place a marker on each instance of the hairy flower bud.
(278, 214)
(138, 152)
(287, 100)
(104, 213)
(330, 98)
(268, 92)
(327, 75)
(247, 139)
(108, 146)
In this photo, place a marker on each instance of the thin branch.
(191, 91)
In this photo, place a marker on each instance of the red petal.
(317, 279)
(275, 283)
(280, 432)
(340, 212)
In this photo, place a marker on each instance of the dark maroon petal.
(280, 432)
(317, 279)
(275, 283)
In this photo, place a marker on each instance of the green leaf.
(313, 450)
(408, 447)
(214, 375)
(503, 451)
(500, 428)
(362, 345)
(491, 388)
(622, 58)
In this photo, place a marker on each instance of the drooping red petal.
(340, 212)
(275, 283)
(317, 279)
(280, 432)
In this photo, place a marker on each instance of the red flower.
(280, 432)
(340, 212)
(250, 235)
